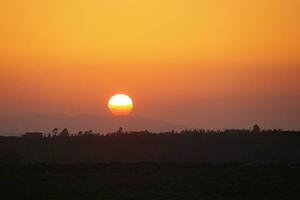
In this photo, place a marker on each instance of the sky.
(204, 64)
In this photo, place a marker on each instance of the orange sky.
(190, 62)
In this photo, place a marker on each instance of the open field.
(150, 181)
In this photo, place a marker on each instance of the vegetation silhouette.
(197, 145)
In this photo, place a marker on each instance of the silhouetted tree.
(90, 132)
(64, 133)
(256, 128)
(120, 131)
(54, 132)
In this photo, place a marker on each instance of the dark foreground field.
(263, 147)
(150, 181)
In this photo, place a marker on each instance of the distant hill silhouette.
(21, 123)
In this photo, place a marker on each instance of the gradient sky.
(206, 64)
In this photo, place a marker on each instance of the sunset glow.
(195, 61)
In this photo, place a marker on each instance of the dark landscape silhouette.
(232, 145)
(188, 164)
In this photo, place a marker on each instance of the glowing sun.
(120, 104)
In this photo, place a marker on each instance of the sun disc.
(120, 104)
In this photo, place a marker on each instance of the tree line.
(256, 130)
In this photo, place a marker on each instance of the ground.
(150, 181)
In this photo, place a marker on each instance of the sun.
(120, 104)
